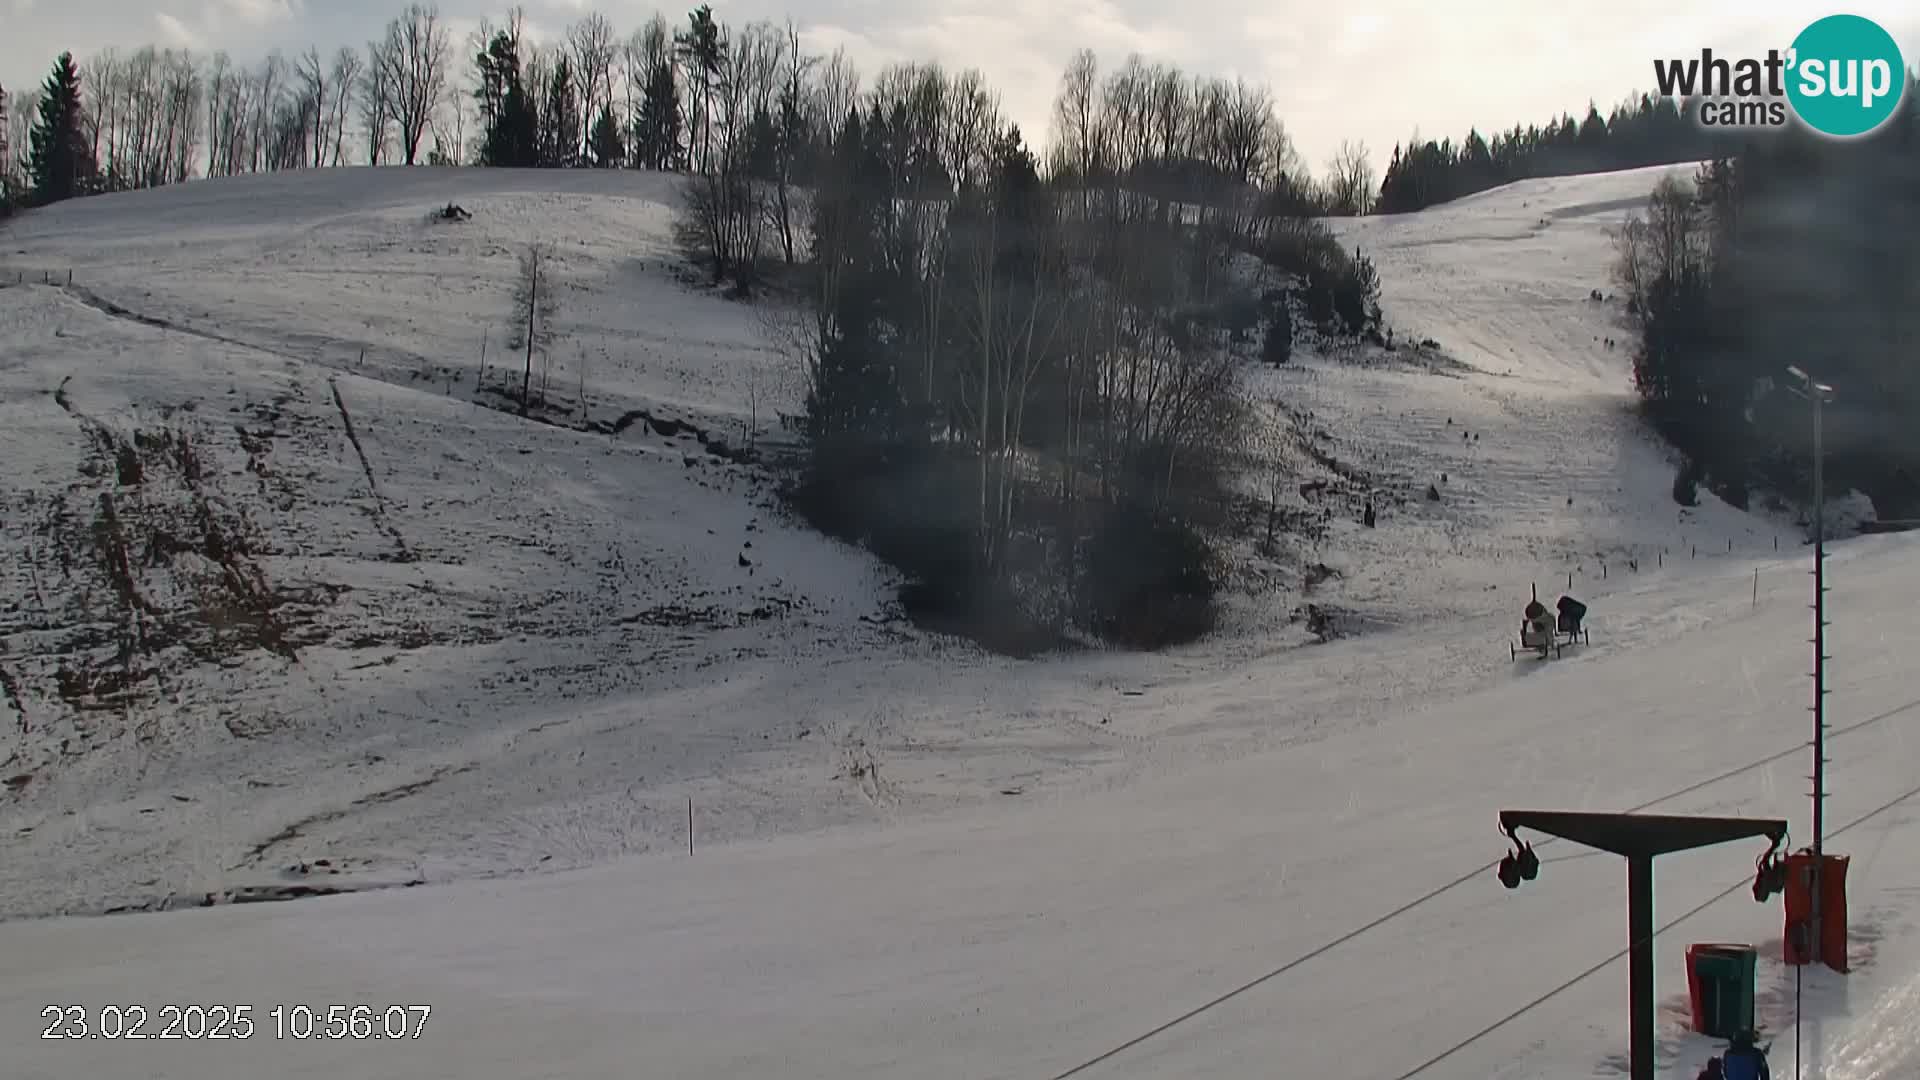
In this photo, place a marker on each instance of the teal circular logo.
(1845, 75)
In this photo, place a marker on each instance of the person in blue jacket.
(1743, 1060)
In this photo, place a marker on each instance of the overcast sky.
(1371, 71)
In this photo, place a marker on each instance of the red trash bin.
(1694, 1001)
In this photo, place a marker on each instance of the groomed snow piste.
(1050, 860)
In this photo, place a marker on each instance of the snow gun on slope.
(1544, 635)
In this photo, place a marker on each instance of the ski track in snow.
(518, 647)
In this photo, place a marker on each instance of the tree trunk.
(533, 297)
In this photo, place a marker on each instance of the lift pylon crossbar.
(1640, 837)
(1641, 834)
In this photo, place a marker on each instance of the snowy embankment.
(285, 607)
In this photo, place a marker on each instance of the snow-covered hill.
(1525, 431)
(274, 587)
(285, 607)
(343, 268)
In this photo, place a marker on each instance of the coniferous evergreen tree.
(560, 127)
(853, 391)
(702, 49)
(1785, 250)
(657, 128)
(509, 125)
(763, 147)
(1639, 132)
(607, 149)
(61, 164)
(521, 123)
(1593, 131)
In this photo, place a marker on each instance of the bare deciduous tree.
(1350, 180)
(724, 212)
(185, 90)
(1076, 138)
(1283, 159)
(720, 224)
(346, 82)
(580, 375)
(451, 138)
(269, 88)
(1662, 243)
(144, 115)
(754, 72)
(1245, 130)
(415, 54)
(218, 74)
(315, 83)
(970, 128)
(1276, 472)
(793, 131)
(594, 49)
(837, 92)
(8, 182)
(377, 101)
(1009, 323)
(535, 303)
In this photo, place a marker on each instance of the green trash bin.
(1727, 975)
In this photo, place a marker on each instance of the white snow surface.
(509, 646)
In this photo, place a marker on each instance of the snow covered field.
(1023, 939)
(471, 645)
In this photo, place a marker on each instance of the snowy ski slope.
(519, 647)
(1024, 939)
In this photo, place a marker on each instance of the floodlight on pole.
(1818, 394)
(1813, 388)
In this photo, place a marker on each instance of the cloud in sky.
(1373, 72)
(174, 34)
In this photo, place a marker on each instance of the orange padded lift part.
(1833, 908)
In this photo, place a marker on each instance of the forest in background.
(1786, 249)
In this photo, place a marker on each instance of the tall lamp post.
(1819, 394)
